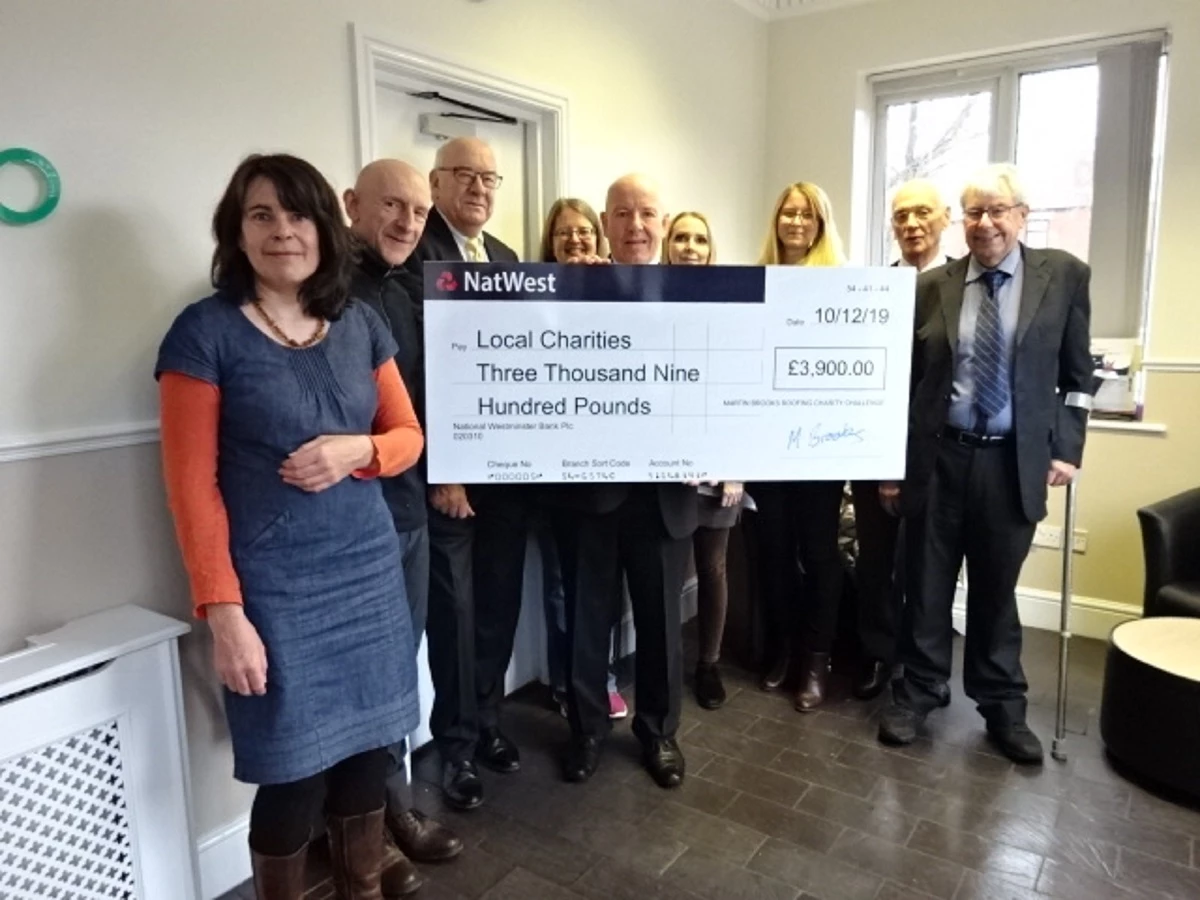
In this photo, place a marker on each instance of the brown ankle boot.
(279, 877)
(814, 681)
(356, 854)
(399, 878)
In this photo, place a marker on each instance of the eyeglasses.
(581, 234)
(923, 214)
(466, 175)
(805, 215)
(996, 213)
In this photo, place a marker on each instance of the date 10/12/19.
(853, 315)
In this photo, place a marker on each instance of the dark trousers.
(798, 526)
(414, 557)
(880, 585)
(476, 572)
(282, 815)
(973, 512)
(596, 549)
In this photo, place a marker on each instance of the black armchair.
(1171, 548)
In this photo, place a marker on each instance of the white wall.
(146, 107)
(818, 104)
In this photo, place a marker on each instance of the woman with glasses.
(689, 242)
(798, 520)
(572, 234)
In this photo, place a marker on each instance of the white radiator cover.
(94, 794)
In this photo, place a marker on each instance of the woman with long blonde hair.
(689, 242)
(800, 518)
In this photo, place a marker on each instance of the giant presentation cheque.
(544, 373)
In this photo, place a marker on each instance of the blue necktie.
(991, 350)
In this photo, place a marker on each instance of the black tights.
(282, 815)
(798, 521)
(712, 589)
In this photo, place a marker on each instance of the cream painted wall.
(147, 106)
(817, 67)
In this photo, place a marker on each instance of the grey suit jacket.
(1052, 370)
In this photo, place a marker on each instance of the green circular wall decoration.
(51, 186)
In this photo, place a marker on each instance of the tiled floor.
(779, 805)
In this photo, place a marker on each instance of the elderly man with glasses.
(476, 532)
(1001, 386)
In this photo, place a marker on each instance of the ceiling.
(783, 9)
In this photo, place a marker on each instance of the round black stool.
(1150, 713)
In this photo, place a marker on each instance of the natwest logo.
(446, 282)
(508, 283)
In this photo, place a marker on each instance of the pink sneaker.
(616, 706)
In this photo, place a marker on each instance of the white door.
(398, 135)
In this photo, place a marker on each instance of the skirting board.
(224, 858)
(1090, 616)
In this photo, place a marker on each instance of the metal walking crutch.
(1059, 748)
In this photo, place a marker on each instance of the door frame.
(544, 114)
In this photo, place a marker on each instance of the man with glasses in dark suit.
(1001, 388)
(476, 532)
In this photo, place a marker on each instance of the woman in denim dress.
(280, 404)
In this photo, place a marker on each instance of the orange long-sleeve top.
(190, 410)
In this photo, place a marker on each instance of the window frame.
(1001, 74)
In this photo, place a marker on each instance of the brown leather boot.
(279, 877)
(400, 877)
(356, 854)
(814, 681)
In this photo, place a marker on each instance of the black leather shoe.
(664, 761)
(873, 677)
(497, 752)
(942, 691)
(710, 692)
(776, 674)
(582, 759)
(420, 838)
(1018, 743)
(898, 725)
(461, 785)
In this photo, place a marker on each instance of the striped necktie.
(991, 350)
(475, 250)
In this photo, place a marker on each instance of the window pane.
(944, 139)
(1056, 146)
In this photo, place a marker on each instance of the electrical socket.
(1079, 545)
(1048, 536)
(1051, 537)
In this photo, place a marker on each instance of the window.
(1082, 123)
